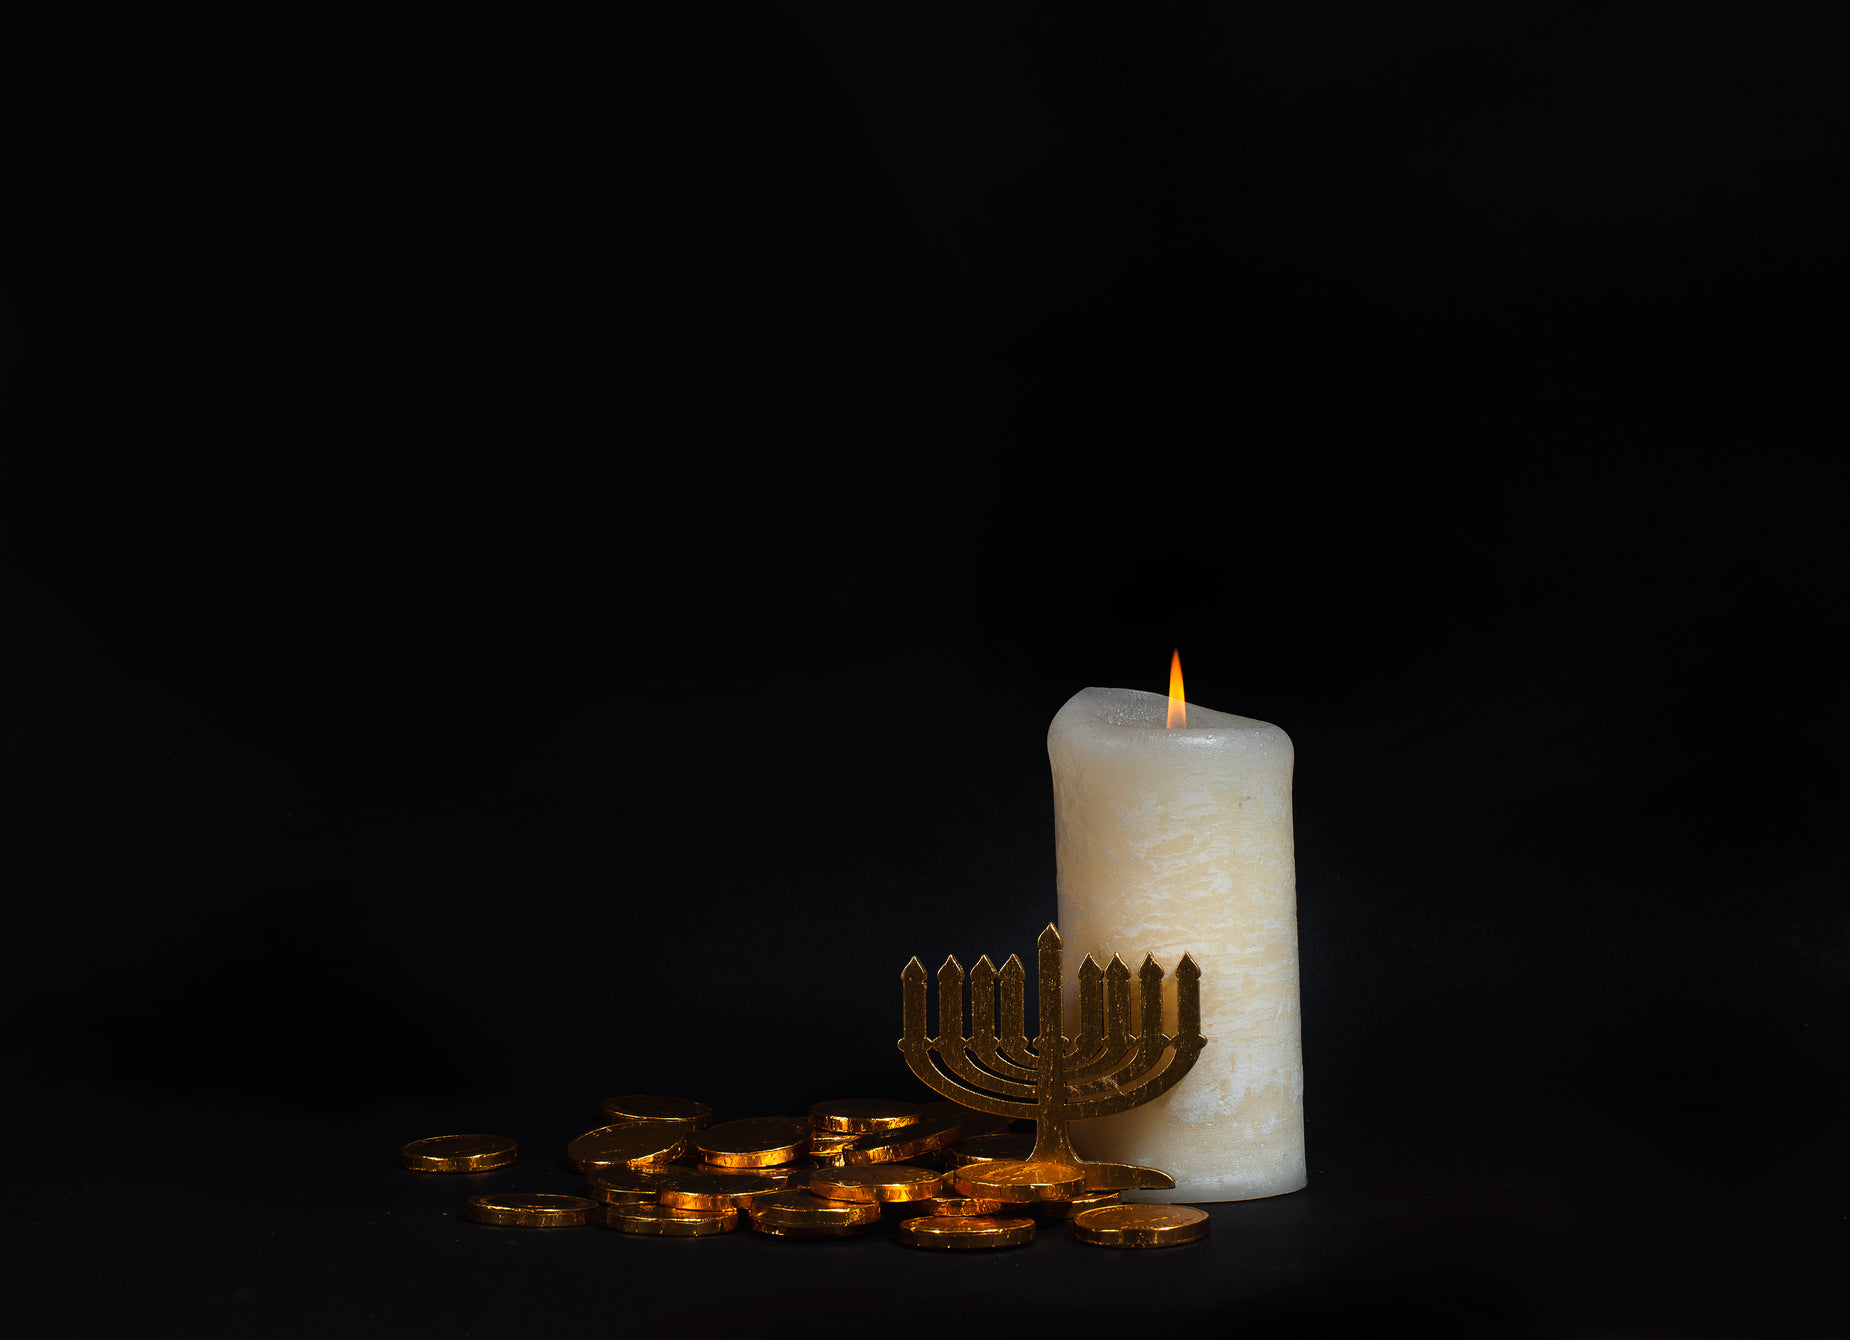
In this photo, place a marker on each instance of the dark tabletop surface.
(223, 1219)
(538, 561)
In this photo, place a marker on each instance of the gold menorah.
(1055, 1079)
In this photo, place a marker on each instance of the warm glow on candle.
(1178, 709)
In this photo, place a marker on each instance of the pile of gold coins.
(954, 1178)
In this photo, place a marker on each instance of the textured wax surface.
(1174, 841)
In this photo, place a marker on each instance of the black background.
(540, 552)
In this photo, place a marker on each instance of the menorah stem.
(1052, 1145)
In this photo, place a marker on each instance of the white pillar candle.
(1173, 841)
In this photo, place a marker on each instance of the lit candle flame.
(1178, 708)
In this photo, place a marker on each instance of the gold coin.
(776, 1171)
(1066, 1209)
(798, 1214)
(513, 1211)
(1018, 1182)
(920, 1137)
(876, 1183)
(690, 1190)
(632, 1144)
(973, 1122)
(832, 1142)
(856, 1116)
(990, 1148)
(783, 1177)
(755, 1142)
(626, 1197)
(965, 1232)
(1141, 1225)
(618, 1185)
(648, 1107)
(459, 1153)
(668, 1223)
(963, 1207)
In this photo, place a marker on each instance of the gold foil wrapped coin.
(1141, 1225)
(965, 1233)
(781, 1172)
(877, 1183)
(858, 1116)
(1066, 1209)
(617, 1185)
(690, 1190)
(785, 1177)
(629, 1144)
(992, 1147)
(650, 1107)
(824, 1143)
(626, 1197)
(459, 1153)
(798, 1214)
(964, 1207)
(516, 1211)
(668, 1223)
(1019, 1182)
(920, 1137)
(755, 1142)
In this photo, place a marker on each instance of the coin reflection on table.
(964, 1233)
(1141, 1226)
(459, 1153)
(510, 1210)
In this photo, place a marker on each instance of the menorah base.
(1053, 1145)
(1124, 1177)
